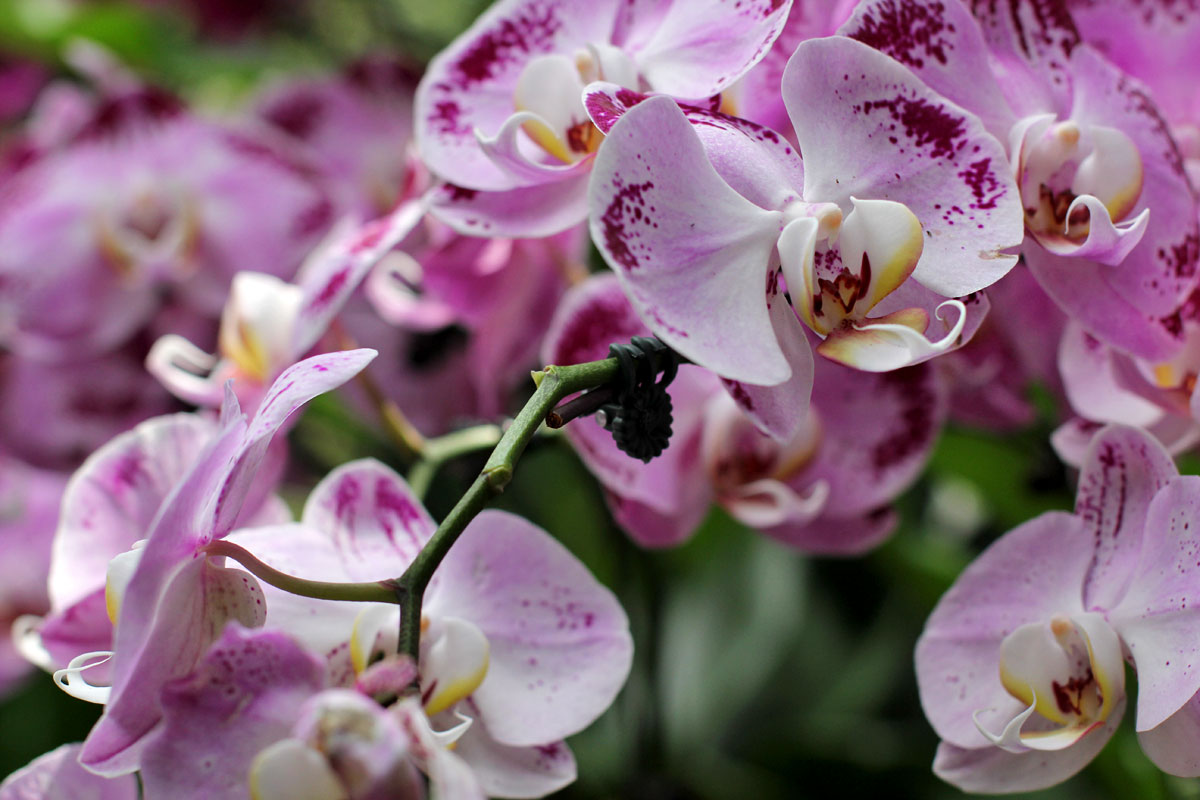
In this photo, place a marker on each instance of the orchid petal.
(1009, 739)
(529, 211)
(887, 237)
(185, 370)
(330, 277)
(517, 772)
(557, 637)
(1172, 745)
(892, 342)
(291, 769)
(1092, 382)
(943, 165)
(1154, 617)
(1122, 473)
(57, 775)
(992, 770)
(942, 44)
(686, 245)
(769, 503)
(243, 695)
(453, 663)
(1032, 573)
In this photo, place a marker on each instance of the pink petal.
(1154, 618)
(505, 771)
(990, 770)
(243, 696)
(529, 211)
(1030, 574)
(849, 103)
(1173, 745)
(57, 775)
(560, 644)
(691, 252)
(1122, 473)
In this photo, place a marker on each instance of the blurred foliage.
(759, 673)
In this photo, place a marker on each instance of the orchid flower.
(169, 601)
(257, 718)
(169, 199)
(1021, 666)
(269, 324)
(700, 215)
(517, 636)
(499, 113)
(1111, 220)
(357, 126)
(827, 489)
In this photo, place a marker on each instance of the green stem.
(370, 592)
(446, 448)
(553, 384)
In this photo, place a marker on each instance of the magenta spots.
(531, 31)
(331, 289)
(908, 32)
(1180, 258)
(347, 495)
(983, 184)
(926, 124)
(739, 394)
(458, 194)
(445, 118)
(388, 499)
(605, 110)
(120, 115)
(626, 211)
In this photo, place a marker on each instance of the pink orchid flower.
(500, 116)
(701, 214)
(517, 636)
(169, 601)
(57, 775)
(827, 489)
(1021, 666)
(1111, 219)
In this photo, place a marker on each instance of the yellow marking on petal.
(1164, 376)
(541, 133)
(450, 692)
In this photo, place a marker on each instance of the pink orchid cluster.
(849, 222)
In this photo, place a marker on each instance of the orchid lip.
(1068, 671)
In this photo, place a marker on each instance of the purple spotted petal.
(849, 103)
(1029, 575)
(58, 776)
(1031, 43)
(1123, 471)
(342, 266)
(1093, 382)
(1157, 617)
(376, 524)
(470, 84)
(691, 252)
(244, 695)
(990, 770)
(1174, 745)
(560, 644)
(940, 41)
(1161, 271)
(114, 497)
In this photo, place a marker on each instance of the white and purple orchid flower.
(1021, 666)
(169, 199)
(500, 114)
(168, 600)
(57, 775)
(269, 324)
(517, 636)
(1111, 219)
(700, 215)
(827, 489)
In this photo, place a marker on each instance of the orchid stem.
(445, 448)
(402, 432)
(553, 384)
(369, 592)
